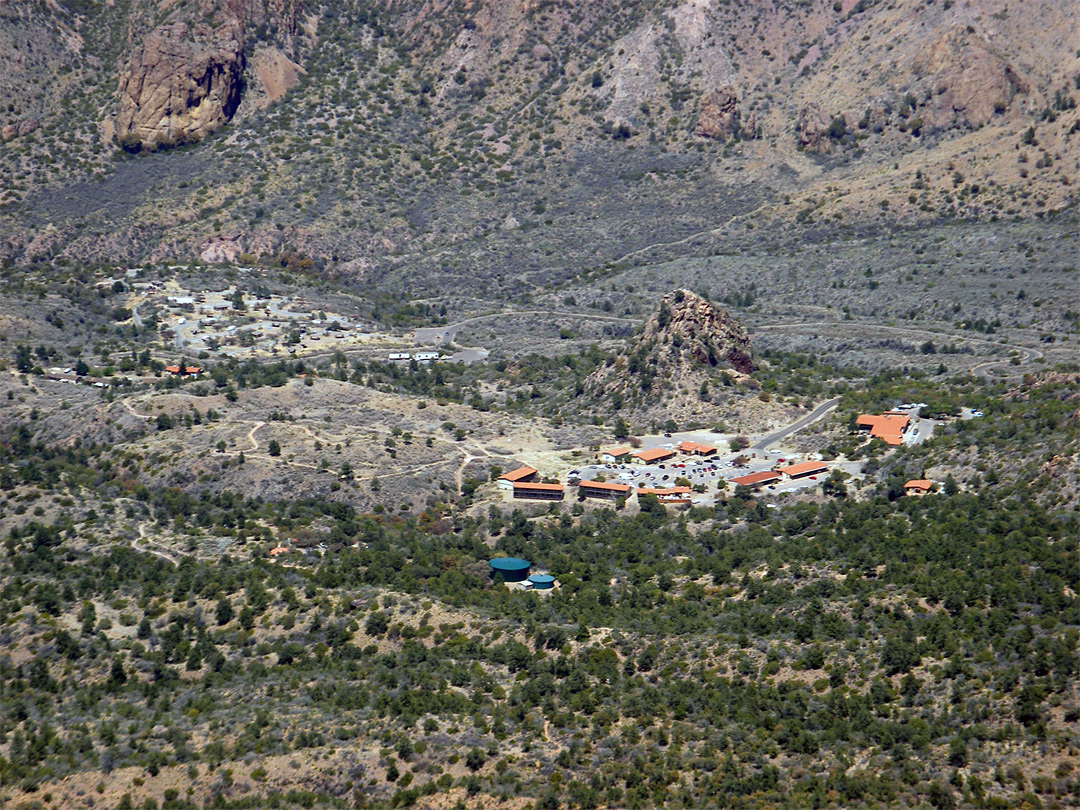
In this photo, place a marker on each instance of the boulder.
(812, 128)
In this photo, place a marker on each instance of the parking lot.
(713, 473)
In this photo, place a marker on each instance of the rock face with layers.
(181, 84)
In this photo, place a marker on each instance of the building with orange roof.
(603, 489)
(187, 370)
(889, 427)
(669, 495)
(654, 455)
(536, 491)
(616, 455)
(519, 476)
(695, 449)
(918, 487)
(804, 469)
(277, 550)
(757, 479)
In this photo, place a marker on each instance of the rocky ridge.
(845, 111)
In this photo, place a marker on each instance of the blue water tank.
(513, 569)
(542, 582)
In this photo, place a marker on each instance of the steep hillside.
(410, 142)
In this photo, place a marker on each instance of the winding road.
(444, 334)
(795, 427)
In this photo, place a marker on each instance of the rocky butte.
(687, 346)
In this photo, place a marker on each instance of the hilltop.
(687, 353)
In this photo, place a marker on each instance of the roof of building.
(187, 369)
(695, 447)
(278, 550)
(668, 491)
(618, 451)
(509, 563)
(919, 483)
(538, 486)
(518, 474)
(889, 427)
(757, 478)
(612, 487)
(804, 468)
(654, 454)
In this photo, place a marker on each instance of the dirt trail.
(459, 474)
(251, 436)
(150, 549)
(131, 409)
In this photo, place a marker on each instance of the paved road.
(794, 427)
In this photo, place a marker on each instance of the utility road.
(794, 427)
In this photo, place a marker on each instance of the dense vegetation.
(849, 652)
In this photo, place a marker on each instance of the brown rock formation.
(221, 249)
(687, 345)
(704, 333)
(181, 84)
(719, 117)
(968, 82)
(812, 127)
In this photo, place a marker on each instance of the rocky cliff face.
(719, 117)
(181, 84)
(966, 82)
(184, 79)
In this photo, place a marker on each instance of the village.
(693, 469)
(239, 322)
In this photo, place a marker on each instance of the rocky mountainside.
(597, 127)
(688, 351)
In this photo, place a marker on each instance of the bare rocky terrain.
(562, 137)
